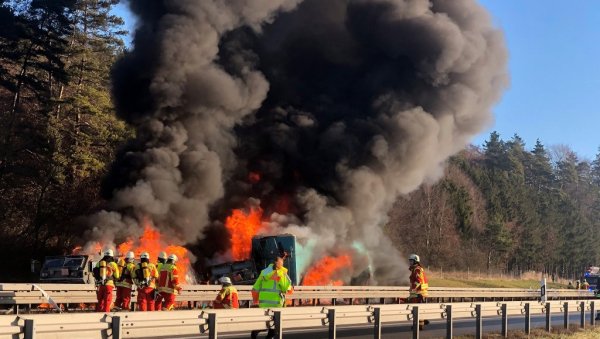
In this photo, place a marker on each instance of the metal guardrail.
(211, 323)
(28, 294)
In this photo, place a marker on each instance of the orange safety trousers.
(104, 296)
(123, 297)
(145, 299)
(168, 301)
(158, 300)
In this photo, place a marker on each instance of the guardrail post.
(377, 323)
(478, 322)
(212, 326)
(448, 321)
(548, 318)
(582, 306)
(332, 325)
(566, 311)
(29, 329)
(116, 327)
(415, 327)
(505, 320)
(278, 325)
(527, 319)
(593, 313)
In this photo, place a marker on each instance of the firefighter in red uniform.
(168, 283)
(105, 272)
(228, 296)
(145, 278)
(162, 259)
(418, 284)
(125, 282)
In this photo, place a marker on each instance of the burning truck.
(264, 249)
(323, 125)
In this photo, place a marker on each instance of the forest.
(504, 206)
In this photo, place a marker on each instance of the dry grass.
(529, 280)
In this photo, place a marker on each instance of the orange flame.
(327, 271)
(76, 250)
(242, 227)
(152, 242)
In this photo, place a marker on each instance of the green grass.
(489, 283)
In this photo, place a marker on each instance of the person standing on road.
(158, 300)
(270, 289)
(418, 283)
(105, 272)
(168, 283)
(228, 296)
(145, 279)
(125, 282)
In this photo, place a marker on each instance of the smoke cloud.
(340, 106)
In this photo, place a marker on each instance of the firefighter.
(125, 282)
(158, 300)
(145, 278)
(418, 284)
(585, 285)
(168, 283)
(270, 289)
(106, 272)
(228, 296)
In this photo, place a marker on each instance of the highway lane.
(436, 329)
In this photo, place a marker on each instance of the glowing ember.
(242, 227)
(254, 177)
(327, 271)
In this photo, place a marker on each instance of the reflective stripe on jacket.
(271, 287)
(418, 281)
(227, 298)
(168, 278)
(126, 278)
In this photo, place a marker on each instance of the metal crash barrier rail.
(212, 323)
(31, 294)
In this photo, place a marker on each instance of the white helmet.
(145, 255)
(109, 253)
(130, 255)
(162, 255)
(225, 280)
(173, 257)
(414, 257)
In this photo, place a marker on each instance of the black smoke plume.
(340, 106)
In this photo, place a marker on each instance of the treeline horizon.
(503, 208)
(497, 207)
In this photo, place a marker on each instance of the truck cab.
(264, 250)
(76, 269)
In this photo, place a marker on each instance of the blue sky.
(554, 65)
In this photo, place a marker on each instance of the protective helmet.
(173, 257)
(130, 255)
(414, 257)
(225, 280)
(109, 253)
(145, 255)
(162, 255)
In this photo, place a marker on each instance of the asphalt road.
(436, 329)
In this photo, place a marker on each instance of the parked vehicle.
(75, 269)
